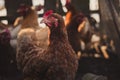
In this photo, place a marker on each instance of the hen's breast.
(64, 64)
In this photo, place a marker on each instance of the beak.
(44, 20)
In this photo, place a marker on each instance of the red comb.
(48, 13)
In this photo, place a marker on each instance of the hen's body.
(63, 58)
(56, 62)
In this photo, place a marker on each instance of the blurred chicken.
(70, 13)
(72, 27)
(73, 34)
(79, 28)
(30, 16)
(30, 23)
(7, 55)
(56, 62)
(14, 29)
(30, 20)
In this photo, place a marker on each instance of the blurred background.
(101, 57)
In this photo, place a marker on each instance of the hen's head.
(53, 20)
(23, 9)
(5, 37)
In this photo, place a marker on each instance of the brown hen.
(56, 62)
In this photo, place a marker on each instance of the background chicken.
(73, 33)
(78, 27)
(13, 29)
(30, 20)
(30, 23)
(7, 56)
(57, 62)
